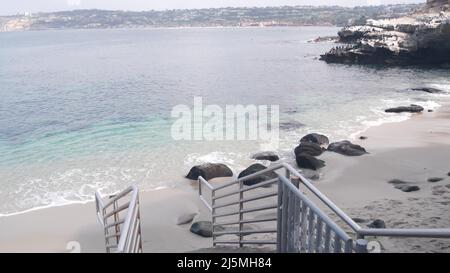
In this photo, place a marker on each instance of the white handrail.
(127, 231)
(360, 232)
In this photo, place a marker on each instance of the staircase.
(290, 213)
(120, 218)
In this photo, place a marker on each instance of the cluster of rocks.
(407, 186)
(404, 186)
(422, 38)
(313, 145)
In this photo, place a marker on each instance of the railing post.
(296, 181)
(213, 212)
(199, 187)
(284, 219)
(361, 246)
(279, 215)
(241, 215)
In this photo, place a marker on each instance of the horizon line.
(215, 8)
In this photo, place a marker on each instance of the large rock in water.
(209, 171)
(270, 156)
(306, 161)
(347, 148)
(422, 38)
(409, 109)
(308, 148)
(254, 169)
(319, 139)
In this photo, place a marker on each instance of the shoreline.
(357, 185)
(395, 119)
(353, 137)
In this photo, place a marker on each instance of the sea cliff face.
(420, 38)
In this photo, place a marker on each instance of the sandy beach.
(414, 150)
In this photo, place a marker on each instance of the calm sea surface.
(86, 110)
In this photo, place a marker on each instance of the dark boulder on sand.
(270, 156)
(403, 185)
(254, 169)
(397, 182)
(204, 229)
(407, 188)
(209, 171)
(308, 148)
(435, 179)
(319, 139)
(378, 223)
(347, 148)
(306, 161)
(409, 109)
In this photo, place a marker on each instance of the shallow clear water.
(82, 110)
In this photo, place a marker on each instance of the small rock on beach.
(204, 228)
(435, 179)
(404, 185)
(378, 223)
(407, 188)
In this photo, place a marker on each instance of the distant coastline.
(219, 17)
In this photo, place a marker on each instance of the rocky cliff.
(420, 38)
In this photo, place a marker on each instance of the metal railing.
(301, 226)
(120, 218)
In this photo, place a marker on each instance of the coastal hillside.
(420, 38)
(219, 17)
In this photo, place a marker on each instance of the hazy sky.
(20, 6)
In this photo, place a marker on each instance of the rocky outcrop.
(319, 139)
(347, 148)
(306, 161)
(308, 148)
(322, 39)
(209, 171)
(410, 109)
(254, 169)
(422, 38)
(270, 156)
